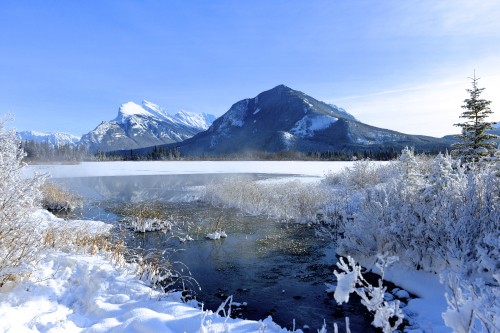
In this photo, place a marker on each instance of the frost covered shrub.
(387, 315)
(473, 306)
(291, 200)
(18, 198)
(432, 221)
(362, 174)
(147, 216)
(439, 217)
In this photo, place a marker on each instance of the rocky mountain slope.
(283, 119)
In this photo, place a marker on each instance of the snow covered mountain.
(145, 125)
(53, 138)
(285, 119)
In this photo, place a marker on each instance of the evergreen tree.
(476, 142)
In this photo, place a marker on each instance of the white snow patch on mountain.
(288, 139)
(196, 120)
(308, 103)
(377, 137)
(309, 124)
(153, 111)
(343, 111)
(287, 136)
(148, 109)
(130, 109)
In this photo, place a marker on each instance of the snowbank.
(70, 292)
(424, 311)
(73, 293)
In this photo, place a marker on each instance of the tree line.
(45, 151)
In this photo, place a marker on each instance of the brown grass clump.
(57, 199)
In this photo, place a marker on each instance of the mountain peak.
(280, 88)
(128, 110)
(145, 124)
(147, 109)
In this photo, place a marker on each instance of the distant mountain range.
(145, 125)
(283, 119)
(53, 138)
(279, 119)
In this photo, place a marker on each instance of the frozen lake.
(97, 169)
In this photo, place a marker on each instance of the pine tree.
(476, 143)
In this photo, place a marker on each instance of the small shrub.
(361, 174)
(19, 197)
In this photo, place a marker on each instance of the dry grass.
(286, 201)
(146, 216)
(57, 199)
(84, 240)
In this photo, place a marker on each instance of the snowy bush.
(288, 201)
(436, 216)
(18, 198)
(473, 306)
(432, 221)
(362, 174)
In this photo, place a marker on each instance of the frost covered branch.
(19, 197)
(387, 315)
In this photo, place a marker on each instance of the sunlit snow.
(309, 124)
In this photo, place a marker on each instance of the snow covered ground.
(425, 311)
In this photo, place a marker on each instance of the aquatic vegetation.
(287, 201)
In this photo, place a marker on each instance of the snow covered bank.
(425, 311)
(75, 293)
(70, 292)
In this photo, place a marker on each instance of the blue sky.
(404, 65)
